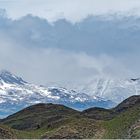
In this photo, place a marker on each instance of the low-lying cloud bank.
(65, 54)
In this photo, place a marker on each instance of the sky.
(70, 42)
(73, 10)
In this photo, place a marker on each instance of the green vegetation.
(51, 121)
(77, 128)
(6, 133)
(120, 126)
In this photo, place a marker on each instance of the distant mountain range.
(16, 94)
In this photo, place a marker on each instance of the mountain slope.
(6, 133)
(52, 121)
(108, 114)
(57, 121)
(77, 128)
(37, 116)
(122, 125)
(16, 94)
(128, 103)
(99, 113)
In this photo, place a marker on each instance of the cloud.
(68, 54)
(46, 66)
(73, 10)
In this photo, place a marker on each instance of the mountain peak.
(5, 72)
(10, 78)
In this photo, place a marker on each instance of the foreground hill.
(58, 121)
(6, 133)
(107, 114)
(40, 115)
(52, 121)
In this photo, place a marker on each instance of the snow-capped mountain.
(115, 90)
(16, 94)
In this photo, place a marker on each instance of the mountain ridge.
(54, 121)
(16, 94)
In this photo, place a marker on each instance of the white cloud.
(44, 66)
(66, 53)
(73, 10)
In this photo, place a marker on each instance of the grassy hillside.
(80, 128)
(98, 113)
(52, 121)
(120, 126)
(38, 116)
(6, 133)
(57, 121)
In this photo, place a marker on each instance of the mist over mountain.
(68, 54)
